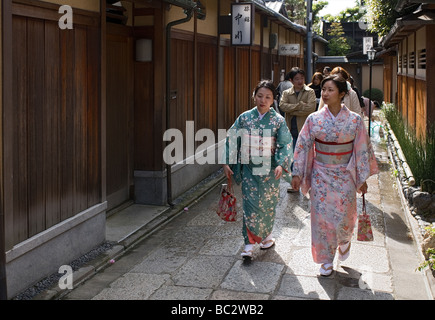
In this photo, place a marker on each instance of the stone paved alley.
(196, 256)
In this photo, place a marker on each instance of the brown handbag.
(365, 232)
(227, 203)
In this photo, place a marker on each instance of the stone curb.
(412, 223)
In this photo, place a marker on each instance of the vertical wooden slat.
(404, 103)
(103, 89)
(173, 86)
(119, 105)
(19, 139)
(36, 137)
(93, 121)
(79, 123)
(66, 132)
(411, 101)
(55, 123)
(158, 90)
(229, 83)
(51, 128)
(8, 128)
(201, 112)
(421, 108)
(430, 82)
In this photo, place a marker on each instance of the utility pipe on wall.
(309, 71)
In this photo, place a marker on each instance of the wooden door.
(120, 106)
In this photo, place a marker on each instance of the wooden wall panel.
(144, 129)
(421, 108)
(229, 86)
(80, 129)
(399, 93)
(51, 127)
(388, 65)
(430, 82)
(56, 138)
(410, 96)
(255, 68)
(20, 151)
(404, 98)
(119, 115)
(35, 134)
(93, 116)
(207, 87)
(244, 90)
(66, 107)
(182, 85)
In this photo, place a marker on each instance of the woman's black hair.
(268, 84)
(339, 81)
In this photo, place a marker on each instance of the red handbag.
(365, 232)
(227, 203)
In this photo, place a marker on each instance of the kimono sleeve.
(284, 152)
(304, 155)
(363, 163)
(231, 153)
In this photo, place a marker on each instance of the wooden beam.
(6, 145)
(103, 99)
(49, 11)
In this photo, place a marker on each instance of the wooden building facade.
(83, 118)
(409, 62)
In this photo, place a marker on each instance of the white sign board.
(242, 28)
(291, 49)
(367, 44)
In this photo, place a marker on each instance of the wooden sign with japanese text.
(242, 27)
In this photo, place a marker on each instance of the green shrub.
(377, 95)
(419, 152)
(430, 252)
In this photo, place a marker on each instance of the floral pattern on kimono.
(259, 145)
(333, 185)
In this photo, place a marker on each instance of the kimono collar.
(343, 112)
(261, 116)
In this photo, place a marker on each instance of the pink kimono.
(333, 157)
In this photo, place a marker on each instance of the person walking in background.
(282, 86)
(316, 80)
(326, 71)
(354, 88)
(263, 153)
(333, 159)
(351, 100)
(297, 103)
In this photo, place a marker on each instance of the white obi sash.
(333, 152)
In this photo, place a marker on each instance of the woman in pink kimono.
(333, 159)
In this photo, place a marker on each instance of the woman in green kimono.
(258, 153)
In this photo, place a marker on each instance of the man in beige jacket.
(297, 103)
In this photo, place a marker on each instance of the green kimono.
(255, 146)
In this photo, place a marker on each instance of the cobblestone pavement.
(196, 256)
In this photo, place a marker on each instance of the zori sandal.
(264, 245)
(247, 254)
(326, 269)
(343, 255)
